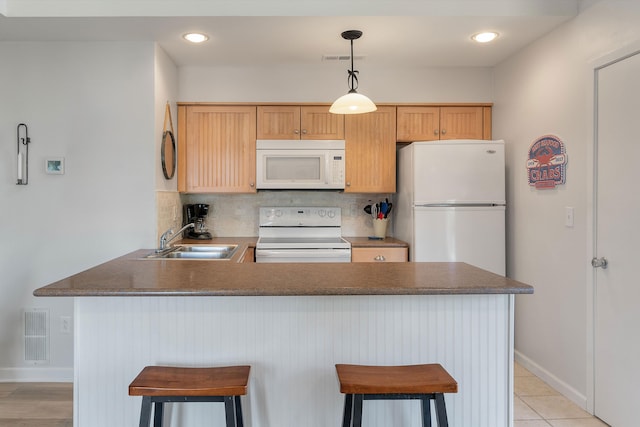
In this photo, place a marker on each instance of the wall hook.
(23, 155)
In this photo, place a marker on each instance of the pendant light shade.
(353, 102)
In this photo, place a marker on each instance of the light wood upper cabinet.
(418, 124)
(370, 151)
(440, 123)
(216, 149)
(299, 122)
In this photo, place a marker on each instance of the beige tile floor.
(50, 405)
(538, 405)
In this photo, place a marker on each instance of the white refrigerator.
(450, 203)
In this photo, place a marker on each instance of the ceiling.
(413, 33)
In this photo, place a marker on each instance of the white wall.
(546, 88)
(168, 205)
(91, 103)
(328, 81)
(165, 90)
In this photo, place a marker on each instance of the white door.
(617, 238)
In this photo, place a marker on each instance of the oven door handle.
(302, 253)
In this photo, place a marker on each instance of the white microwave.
(300, 164)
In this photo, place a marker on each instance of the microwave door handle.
(326, 169)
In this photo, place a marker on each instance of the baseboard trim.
(563, 388)
(45, 375)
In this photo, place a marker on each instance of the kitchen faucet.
(165, 238)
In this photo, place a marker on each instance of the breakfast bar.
(292, 323)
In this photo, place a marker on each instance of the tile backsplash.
(236, 215)
(168, 211)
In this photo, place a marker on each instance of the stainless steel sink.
(202, 252)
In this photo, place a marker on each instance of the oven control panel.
(291, 216)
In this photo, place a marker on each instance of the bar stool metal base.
(352, 416)
(161, 384)
(232, 408)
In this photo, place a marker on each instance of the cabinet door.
(316, 122)
(370, 151)
(216, 149)
(278, 122)
(418, 124)
(298, 122)
(461, 123)
(450, 122)
(379, 254)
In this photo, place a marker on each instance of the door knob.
(599, 262)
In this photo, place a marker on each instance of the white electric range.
(301, 234)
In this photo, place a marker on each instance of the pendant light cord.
(352, 78)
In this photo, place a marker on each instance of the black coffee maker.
(196, 213)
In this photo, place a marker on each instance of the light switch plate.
(568, 217)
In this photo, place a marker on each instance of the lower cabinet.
(249, 255)
(379, 254)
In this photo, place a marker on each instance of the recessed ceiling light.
(485, 37)
(196, 37)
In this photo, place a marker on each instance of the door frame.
(595, 66)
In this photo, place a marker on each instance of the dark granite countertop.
(131, 275)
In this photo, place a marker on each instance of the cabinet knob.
(348, 184)
(435, 131)
(296, 131)
(251, 184)
(444, 131)
(380, 258)
(304, 131)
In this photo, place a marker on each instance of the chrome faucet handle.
(163, 239)
(169, 235)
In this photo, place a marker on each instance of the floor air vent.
(36, 335)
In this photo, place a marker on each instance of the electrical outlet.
(65, 324)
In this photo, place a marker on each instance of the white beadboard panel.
(293, 344)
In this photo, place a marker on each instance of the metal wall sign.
(547, 162)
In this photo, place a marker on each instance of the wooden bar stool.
(424, 382)
(160, 384)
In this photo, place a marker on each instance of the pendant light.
(353, 102)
